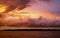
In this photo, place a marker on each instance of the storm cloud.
(12, 4)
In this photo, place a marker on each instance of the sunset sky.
(17, 12)
(35, 8)
(45, 8)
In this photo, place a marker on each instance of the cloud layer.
(15, 3)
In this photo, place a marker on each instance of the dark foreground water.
(29, 34)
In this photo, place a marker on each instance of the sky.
(49, 9)
(45, 8)
(52, 6)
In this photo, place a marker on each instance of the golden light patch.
(2, 8)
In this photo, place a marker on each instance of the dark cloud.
(15, 3)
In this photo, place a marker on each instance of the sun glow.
(31, 15)
(3, 8)
(25, 13)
